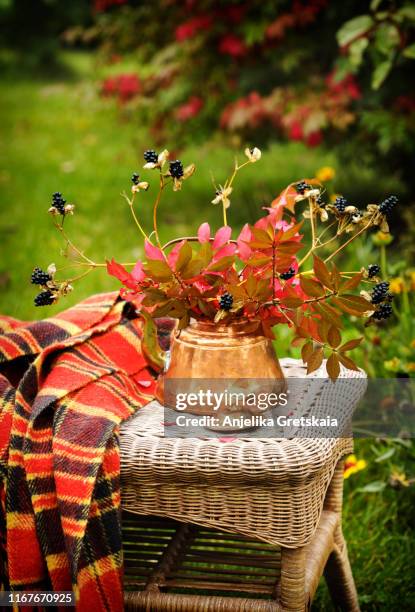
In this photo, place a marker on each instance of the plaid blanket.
(66, 384)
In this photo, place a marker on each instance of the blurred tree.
(31, 28)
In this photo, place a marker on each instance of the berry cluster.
(288, 274)
(387, 205)
(302, 187)
(373, 270)
(226, 301)
(135, 178)
(380, 292)
(150, 156)
(39, 277)
(176, 169)
(383, 312)
(58, 202)
(340, 204)
(45, 298)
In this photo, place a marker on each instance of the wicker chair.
(246, 525)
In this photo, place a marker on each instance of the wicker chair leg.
(292, 593)
(339, 578)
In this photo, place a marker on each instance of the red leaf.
(153, 252)
(225, 251)
(203, 233)
(244, 237)
(222, 236)
(117, 270)
(138, 273)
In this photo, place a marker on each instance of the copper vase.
(208, 351)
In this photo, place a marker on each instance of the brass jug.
(206, 350)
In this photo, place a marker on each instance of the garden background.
(323, 88)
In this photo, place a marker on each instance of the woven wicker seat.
(277, 499)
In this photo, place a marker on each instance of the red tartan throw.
(66, 384)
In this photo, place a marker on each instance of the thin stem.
(225, 220)
(130, 203)
(71, 244)
(326, 230)
(311, 203)
(342, 246)
(189, 239)
(156, 204)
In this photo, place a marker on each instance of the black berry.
(176, 169)
(383, 312)
(150, 156)
(135, 178)
(373, 270)
(340, 204)
(302, 186)
(39, 277)
(226, 301)
(45, 298)
(380, 292)
(387, 205)
(58, 202)
(288, 274)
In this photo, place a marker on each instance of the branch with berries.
(258, 275)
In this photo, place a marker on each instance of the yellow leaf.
(315, 360)
(322, 272)
(334, 336)
(333, 368)
(311, 287)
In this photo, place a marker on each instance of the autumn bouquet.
(267, 274)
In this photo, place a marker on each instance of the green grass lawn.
(59, 135)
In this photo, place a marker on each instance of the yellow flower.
(381, 238)
(393, 365)
(326, 173)
(396, 285)
(412, 277)
(410, 367)
(353, 465)
(413, 344)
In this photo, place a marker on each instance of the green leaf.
(158, 269)
(150, 345)
(222, 263)
(387, 38)
(205, 253)
(373, 487)
(380, 73)
(354, 28)
(356, 50)
(193, 268)
(386, 455)
(185, 255)
(408, 12)
(409, 52)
